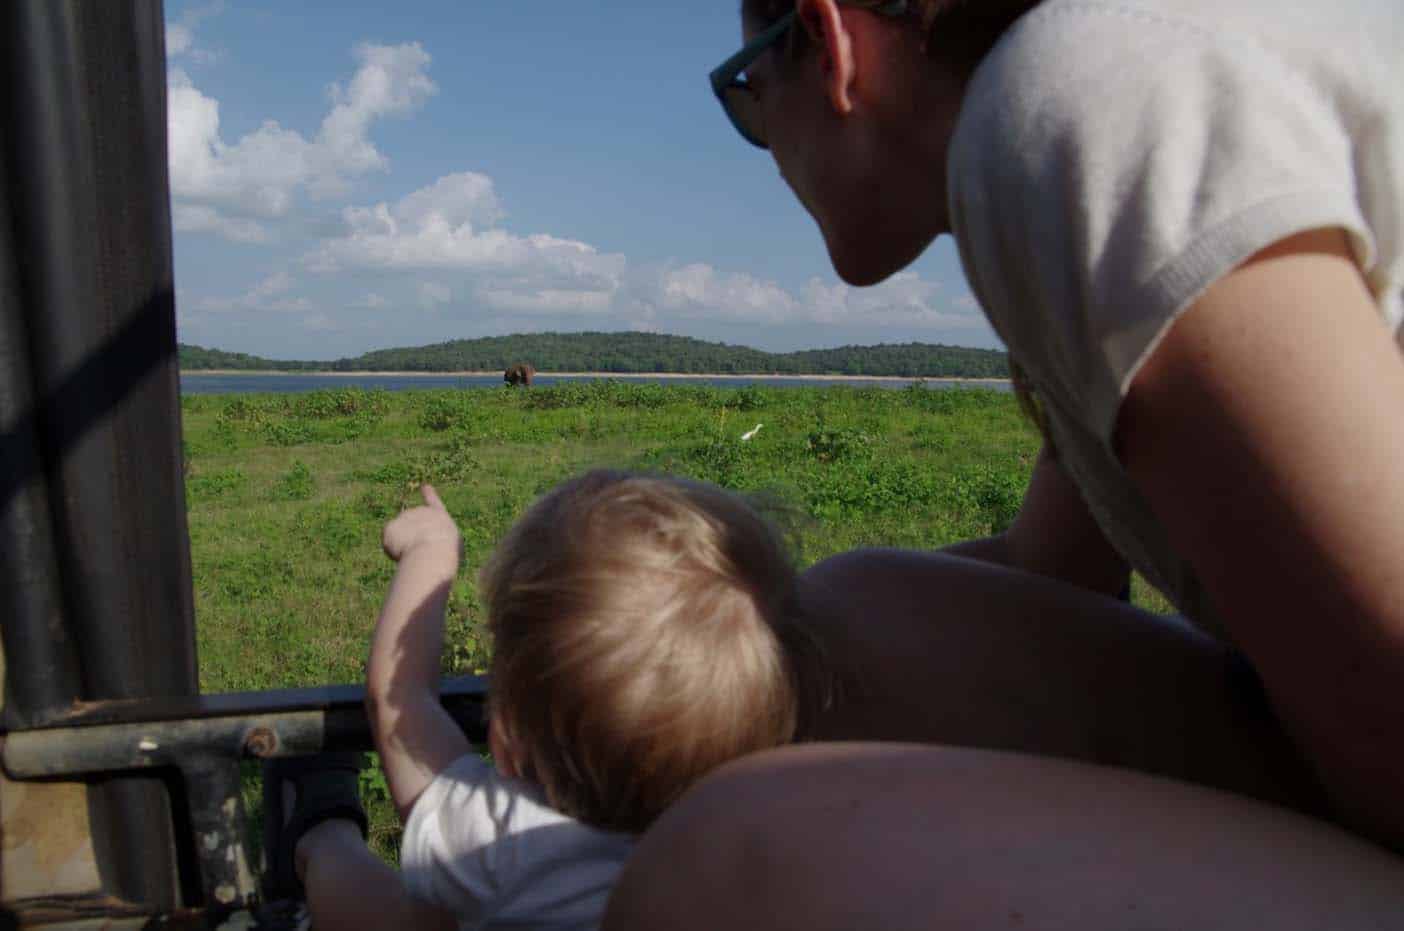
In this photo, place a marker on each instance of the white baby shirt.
(1113, 159)
(490, 850)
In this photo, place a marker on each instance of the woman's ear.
(826, 28)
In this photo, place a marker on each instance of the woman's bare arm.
(1267, 432)
(1054, 535)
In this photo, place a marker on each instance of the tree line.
(632, 353)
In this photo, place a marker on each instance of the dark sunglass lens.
(744, 110)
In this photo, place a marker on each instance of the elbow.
(377, 707)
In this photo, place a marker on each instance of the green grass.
(287, 495)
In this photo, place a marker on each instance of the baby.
(640, 640)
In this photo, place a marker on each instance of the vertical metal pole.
(91, 499)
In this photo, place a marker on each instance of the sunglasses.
(739, 99)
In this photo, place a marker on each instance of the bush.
(287, 432)
(565, 394)
(828, 444)
(749, 398)
(296, 485)
(988, 495)
(440, 414)
(214, 485)
(244, 410)
(457, 463)
(341, 402)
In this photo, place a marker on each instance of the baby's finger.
(431, 497)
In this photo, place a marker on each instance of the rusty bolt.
(260, 742)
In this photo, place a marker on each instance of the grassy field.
(287, 494)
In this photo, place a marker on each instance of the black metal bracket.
(205, 737)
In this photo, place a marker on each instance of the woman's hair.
(957, 33)
(639, 641)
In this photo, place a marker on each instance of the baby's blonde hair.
(638, 641)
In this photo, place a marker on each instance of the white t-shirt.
(1113, 158)
(490, 850)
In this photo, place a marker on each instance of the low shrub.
(296, 484)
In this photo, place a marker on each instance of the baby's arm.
(416, 738)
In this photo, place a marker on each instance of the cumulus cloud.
(451, 227)
(233, 189)
(905, 299)
(202, 218)
(390, 81)
(700, 292)
(180, 36)
(270, 294)
(179, 39)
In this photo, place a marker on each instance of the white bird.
(751, 432)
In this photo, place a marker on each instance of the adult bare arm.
(1266, 432)
(1054, 535)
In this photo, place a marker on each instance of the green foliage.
(372, 782)
(287, 432)
(829, 444)
(243, 410)
(467, 644)
(634, 353)
(440, 413)
(989, 495)
(296, 484)
(285, 539)
(341, 402)
(215, 484)
(456, 463)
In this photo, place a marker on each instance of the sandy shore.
(664, 375)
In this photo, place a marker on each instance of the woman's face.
(871, 177)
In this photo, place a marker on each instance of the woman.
(1186, 222)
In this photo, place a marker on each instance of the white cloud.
(432, 295)
(698, 290)
(259, 176)
(546, 300)
(450, 228)
(389, 82)
(905, 299)
(267, 295)
(370, 301)
(180, 37)
(200, 218)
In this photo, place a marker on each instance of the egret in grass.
(751, 432)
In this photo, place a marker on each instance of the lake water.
(200, 383)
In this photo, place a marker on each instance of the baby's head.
(637, 642)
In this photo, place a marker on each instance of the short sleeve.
(1110, 162)
(448, 827)
(491, 850)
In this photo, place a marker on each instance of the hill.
(630, 352)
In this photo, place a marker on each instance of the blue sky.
(350, 176)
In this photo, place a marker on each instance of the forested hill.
(633, 353)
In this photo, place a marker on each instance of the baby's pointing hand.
(427, 525)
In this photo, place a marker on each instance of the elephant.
(519, 374)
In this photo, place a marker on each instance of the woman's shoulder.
(1067, 62)
(1113, 158)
